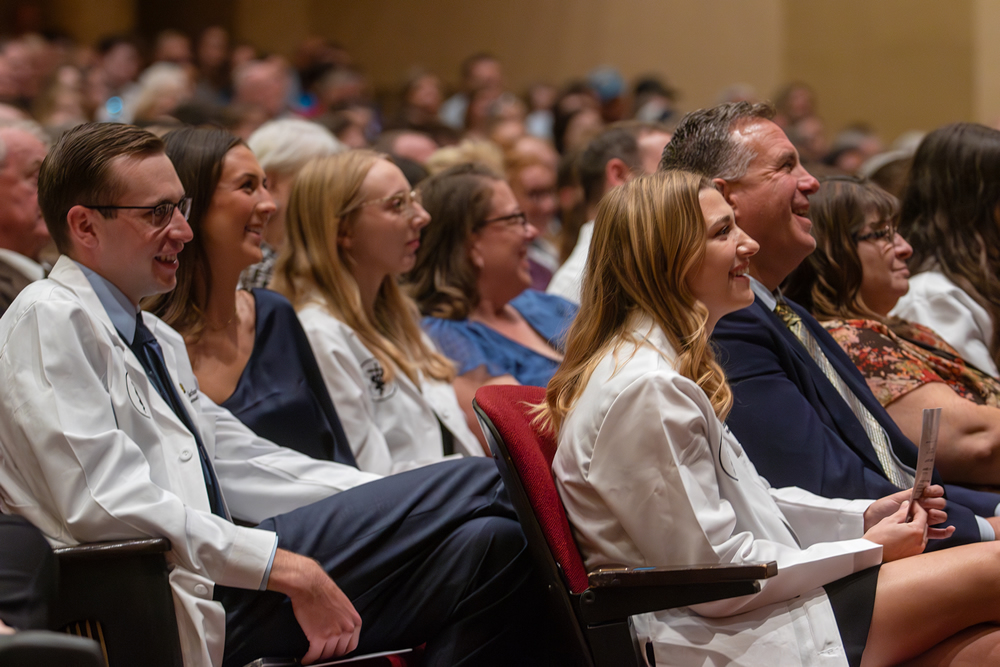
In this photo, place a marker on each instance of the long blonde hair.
(649, 235)
(312, 268)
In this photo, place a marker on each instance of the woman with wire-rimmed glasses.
(353, 226)
(851, 283)
(471, 282)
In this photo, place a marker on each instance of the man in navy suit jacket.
(789, 417)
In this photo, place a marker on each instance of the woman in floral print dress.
(850, 283)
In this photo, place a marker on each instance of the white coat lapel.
(140, 411)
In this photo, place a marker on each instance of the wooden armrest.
(114, 549)
(671, 576)
(122, 585)
(617, 593)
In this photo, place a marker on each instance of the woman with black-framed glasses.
(850, 283)
(472, 279)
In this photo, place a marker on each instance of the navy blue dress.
(281, 395)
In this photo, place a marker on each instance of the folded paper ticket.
(925, 457)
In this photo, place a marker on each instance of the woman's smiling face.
(721, 281)
(500, 247)
(233, 225)
(884, 274)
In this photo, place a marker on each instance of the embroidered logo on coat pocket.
(378, 388)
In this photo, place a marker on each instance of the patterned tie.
(880, 441)
(147, 349)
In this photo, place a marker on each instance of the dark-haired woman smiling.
(246, 348)
(471, 282)
(851, 283)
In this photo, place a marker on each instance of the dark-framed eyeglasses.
(883, 230)
(519, 218)
(160, 213)
(400, 203)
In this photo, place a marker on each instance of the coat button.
(201, 589)
(186, 455)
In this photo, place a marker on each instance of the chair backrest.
(504, 412)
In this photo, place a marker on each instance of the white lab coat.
(936, 302)
(650, 477)
(89, 451)
(391, 426)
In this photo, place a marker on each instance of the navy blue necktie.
(147, 349)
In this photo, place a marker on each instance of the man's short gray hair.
(703, 142)
(27, 126)
(284, 146)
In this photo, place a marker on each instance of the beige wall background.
(897, 64)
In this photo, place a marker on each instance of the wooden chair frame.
(118, 594)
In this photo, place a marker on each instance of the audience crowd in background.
(531, 136)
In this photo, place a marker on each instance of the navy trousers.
(27, 575)
(433, 555)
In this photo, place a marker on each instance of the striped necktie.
(880, 441)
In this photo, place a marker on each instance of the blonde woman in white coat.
(353, 225)
(650, 475)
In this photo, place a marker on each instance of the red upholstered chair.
(593, 610)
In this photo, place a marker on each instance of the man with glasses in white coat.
(104, 435)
